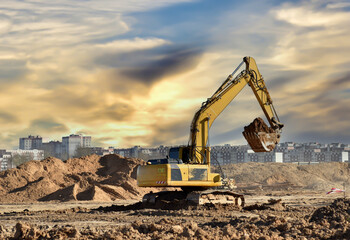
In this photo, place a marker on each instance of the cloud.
(116, 113)
(300, 61)
(6, 117)
(146, 68)
(40, 126)
(322, 111)
(234, 135)
(278, 80)
(310, 17)
(315, 38)
(128, 45)
(324, 128)
(12, 70)
(167, 133)
(321, 137)
(85, 106)
(338, 5)
(5, 24)
(169, 64)
(68, 98)
(48, 53)
(46, 126)
(101, 141)
(105, 69)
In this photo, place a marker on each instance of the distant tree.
(18, 159)
(83, 151)
(49, 153)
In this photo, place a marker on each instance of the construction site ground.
(98, 198)
(288, 215)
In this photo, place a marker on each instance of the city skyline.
(90, 144)
(135, 73)
(46, 139)
(76, 146)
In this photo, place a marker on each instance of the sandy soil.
(95, 178)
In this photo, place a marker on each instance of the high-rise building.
(52, 149)
(86, 141)
(72, 142)
(30, 143)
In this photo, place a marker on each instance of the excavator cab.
(181, 152)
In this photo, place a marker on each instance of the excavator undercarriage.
(180, 199)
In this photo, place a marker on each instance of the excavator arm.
(259, 136)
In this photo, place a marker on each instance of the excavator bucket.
(261, 137)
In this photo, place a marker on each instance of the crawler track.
(181, 199)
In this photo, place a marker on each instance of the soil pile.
(95, 178)
(338, 211)
(285, 176)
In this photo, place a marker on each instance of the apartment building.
(72, 142)
(30, 142)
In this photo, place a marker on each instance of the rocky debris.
(95, 178)
(337, 212)
(273, 204)
(214, 223)
(29, 231)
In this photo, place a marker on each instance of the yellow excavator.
(188, 167)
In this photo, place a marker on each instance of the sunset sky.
(134, 72)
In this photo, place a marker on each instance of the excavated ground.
(304, 216)
(43, 200)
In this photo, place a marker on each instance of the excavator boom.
(261, 138)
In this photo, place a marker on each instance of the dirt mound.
(113, 177)
(89, 178)
(275, 179)
(338, 211)
(283, 176)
